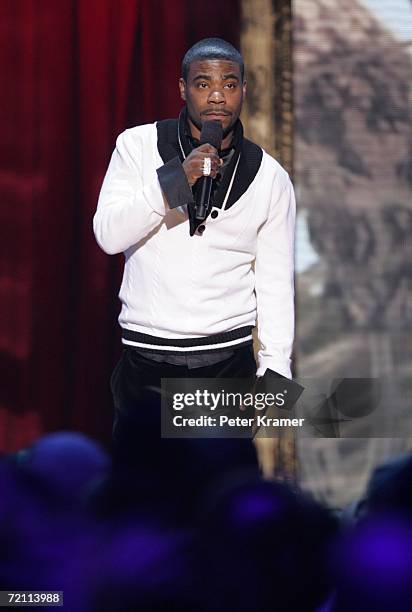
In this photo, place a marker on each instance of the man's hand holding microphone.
(194, 163)
(203, 165)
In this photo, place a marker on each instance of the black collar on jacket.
(246, 152)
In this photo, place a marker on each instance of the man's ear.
(182, 87)
(244, 88)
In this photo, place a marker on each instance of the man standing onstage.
(190, 295)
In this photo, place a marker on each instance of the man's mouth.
(218, 114)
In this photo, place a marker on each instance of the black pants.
(137, 442)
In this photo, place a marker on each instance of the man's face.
(214, 91)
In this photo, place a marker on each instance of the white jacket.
(178, 287)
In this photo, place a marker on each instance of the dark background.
(74, 74)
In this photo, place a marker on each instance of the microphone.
(212, 133)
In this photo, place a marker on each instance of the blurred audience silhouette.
(190, 526)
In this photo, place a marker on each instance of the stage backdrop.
(74, 74)
(353, 177)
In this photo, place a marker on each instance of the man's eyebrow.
(207, 77)
(204, 77)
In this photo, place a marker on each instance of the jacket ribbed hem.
(189, 346)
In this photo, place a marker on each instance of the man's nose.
(217, 96)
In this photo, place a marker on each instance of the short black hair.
(212, 48)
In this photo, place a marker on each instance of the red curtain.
(74, 74)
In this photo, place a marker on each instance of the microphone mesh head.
(212, 133)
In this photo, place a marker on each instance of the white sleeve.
(127, 210)
(274, 284)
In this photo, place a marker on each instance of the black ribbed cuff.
(173, 182)
(271, 374)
